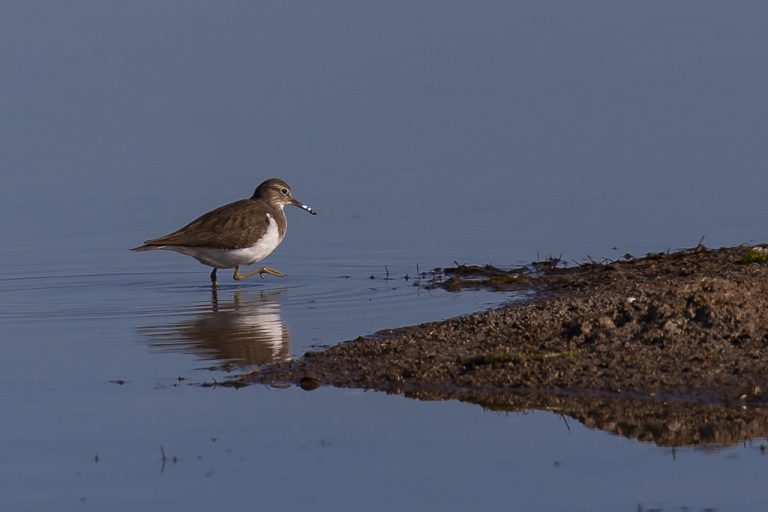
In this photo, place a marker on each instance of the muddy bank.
(690, 326)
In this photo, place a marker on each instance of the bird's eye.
(284, 191)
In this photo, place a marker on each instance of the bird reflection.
(245, 331)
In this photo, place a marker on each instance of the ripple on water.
(149, 295)
(241, 323)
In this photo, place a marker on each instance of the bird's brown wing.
(232, 226)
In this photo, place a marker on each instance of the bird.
(236, 234)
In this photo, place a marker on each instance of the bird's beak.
(296, 202)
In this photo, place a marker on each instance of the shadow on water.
(244, 331)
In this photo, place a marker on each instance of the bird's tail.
(145, 247)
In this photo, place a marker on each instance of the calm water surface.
(423, 133)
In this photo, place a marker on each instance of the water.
(423, 133)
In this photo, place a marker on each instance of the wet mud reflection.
(244, 331)
(663, 423)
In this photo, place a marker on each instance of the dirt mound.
(691, 325)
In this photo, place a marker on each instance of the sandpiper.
(236, 234)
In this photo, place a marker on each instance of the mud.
(686, 327)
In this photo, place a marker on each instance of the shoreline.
(689, 326)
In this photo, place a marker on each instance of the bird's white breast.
(262, 248)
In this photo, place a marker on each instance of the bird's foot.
(237, 276)
(271, 271)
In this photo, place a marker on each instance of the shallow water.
(423, 133)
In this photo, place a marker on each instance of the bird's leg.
(213, 278)
(237, 276)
